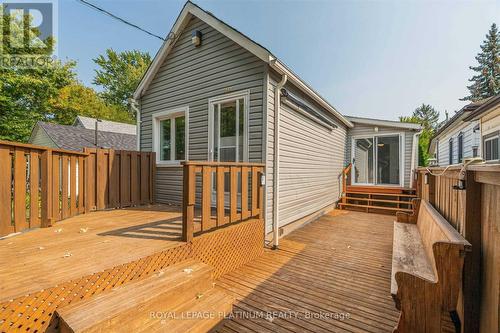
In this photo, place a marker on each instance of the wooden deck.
(83, 245)
(332, 275)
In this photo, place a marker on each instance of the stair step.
(383, 194)
(376, 207)
(199, 315)
(129, 307)
(381, 200)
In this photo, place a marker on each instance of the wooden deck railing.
(41, 185)
(227, 193)
(346, 180)
(469, 198)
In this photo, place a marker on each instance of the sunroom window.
(169, 130)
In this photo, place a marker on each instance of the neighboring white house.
(457, 139)
(488, 116)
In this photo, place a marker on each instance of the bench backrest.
(444, 247)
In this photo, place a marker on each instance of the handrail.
(238, 183)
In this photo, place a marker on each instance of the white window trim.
(402, 155)
(169, 114)
(491, 138)
(243, 94)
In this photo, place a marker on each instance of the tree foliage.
(119, 74)
(44, 93)
(428, 118)
(486, 81)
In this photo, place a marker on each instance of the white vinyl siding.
(470, 140)
(311, 158)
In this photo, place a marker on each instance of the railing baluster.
(46, 189)
(188, 203)
(255, 194)
(64, 196)
(206, 198)
(220, 195)
(72, 186)
(244, 193)
(20, 190)
(5, 191)
(261, 195)
(34, 185)
(233, 193)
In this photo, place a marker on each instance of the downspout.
(135, 108)
(276, 173)
(415, 138)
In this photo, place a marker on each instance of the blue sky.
(368, 58)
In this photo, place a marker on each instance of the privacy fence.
(469, 198)
(41, 185)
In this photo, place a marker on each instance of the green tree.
(428, 118)
(76, 99)
(486, 81)
(119, 74)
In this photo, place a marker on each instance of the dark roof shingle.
(77, 138)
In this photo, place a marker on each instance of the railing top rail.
(472, 167)
(42, 148)
(207, 163)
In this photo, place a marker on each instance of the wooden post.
(188, 203)
(432, 189)
(261, 196)
(472, 262)
(46, 187)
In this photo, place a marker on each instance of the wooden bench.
(427, 260)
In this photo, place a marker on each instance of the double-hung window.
(170, 135)
(491, 147)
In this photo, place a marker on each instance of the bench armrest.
(404, 217)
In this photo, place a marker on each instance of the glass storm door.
(376, 160)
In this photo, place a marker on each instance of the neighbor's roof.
(486, 106)
(258, 50)
(381, 122)
(77, 138)
(105, 125)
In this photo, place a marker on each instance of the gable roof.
(188, 11)
(386, 123)
(77, 138)
(105, 125)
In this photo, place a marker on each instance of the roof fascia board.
(456, 123)
(386, 123)
(282, 69)
(187, 12)
(484, 109)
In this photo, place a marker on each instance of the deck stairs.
(181, 298)
(377, 200)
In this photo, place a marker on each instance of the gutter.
(276, 173)
(415, 138)
(135, 107)
(283, 70)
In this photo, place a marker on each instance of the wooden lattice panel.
(225, 249)
(33, 312)
(229, 248)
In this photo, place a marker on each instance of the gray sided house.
(212, 94)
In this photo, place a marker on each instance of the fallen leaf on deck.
(41, 248)
(348, 246)
(199, 295)
(58, 230)
(67, 254)
(160, 273)
(83, 230)
(188, 270)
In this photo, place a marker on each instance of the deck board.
(340, 264)
(83, 245)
